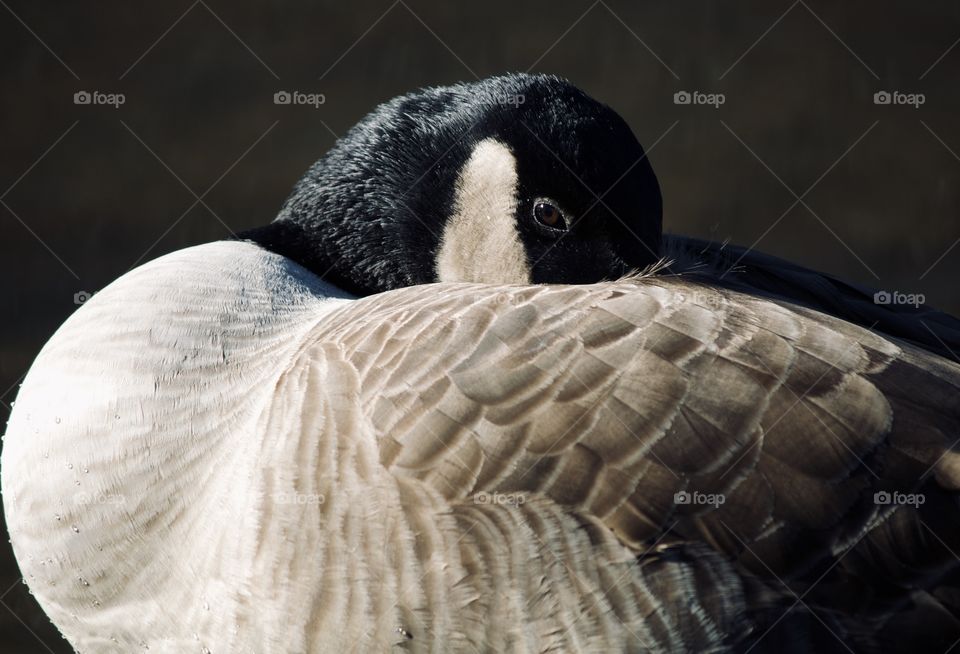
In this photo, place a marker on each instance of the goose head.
(511, 179)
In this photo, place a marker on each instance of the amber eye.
(549, 215)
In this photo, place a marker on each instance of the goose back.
(221, 452)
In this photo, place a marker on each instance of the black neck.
(293, 241)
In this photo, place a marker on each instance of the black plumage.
(369, 214)
(386, 188)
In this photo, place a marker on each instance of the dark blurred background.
(198, 149)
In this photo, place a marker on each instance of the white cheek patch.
(480, 241)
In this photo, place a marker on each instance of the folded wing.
(792, 442)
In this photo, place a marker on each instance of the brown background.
(200, 97)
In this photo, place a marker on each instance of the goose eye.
(549, 215)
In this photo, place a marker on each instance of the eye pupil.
(549, 215)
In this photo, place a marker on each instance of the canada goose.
(222, 451)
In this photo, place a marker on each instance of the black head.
(516, 179)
